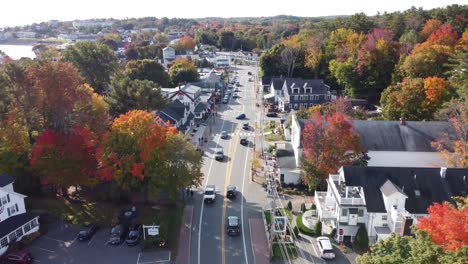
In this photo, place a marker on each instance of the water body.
(16, 52)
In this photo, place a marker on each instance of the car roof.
(325, 241)
(233, 220)
(231, 187)
(210, 187)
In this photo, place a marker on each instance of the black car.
(245, 126)
(118, 234)
(243, 140)
(271, 114)
(88, 233)
(231, 192)
(134, 236)
(233, 226)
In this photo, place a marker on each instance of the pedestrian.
(187, 191)
(191, 193)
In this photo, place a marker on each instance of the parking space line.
(89, 243)
(47, 250)
(156, 261)
(138, 260)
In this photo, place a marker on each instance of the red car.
(17, 257)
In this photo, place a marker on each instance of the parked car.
(245, 126)
(271, 114)
(243, 140)
(233, 226)
(249, 73)
(325, 248)
(219, 154)
(240, 116)
(225, 101)
(231, 192)
(17, 257)
(134, 236)
(236, 90)
(118, 234)
(235, 95)
(88, 233)
(224, 134)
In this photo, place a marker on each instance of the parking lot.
(59, 245)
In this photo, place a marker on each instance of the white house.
(385, 200)
(14, 221)
(390, 143)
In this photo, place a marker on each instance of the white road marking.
(66, 243)
(46, 250)
(242, 207)
(203, 202)
(89, 243)
(138, 260)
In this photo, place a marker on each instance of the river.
(18, 51)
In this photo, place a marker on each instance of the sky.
(23, 12)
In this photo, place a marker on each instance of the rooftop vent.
(417, 193)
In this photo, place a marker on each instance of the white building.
(221, 62)
(14, 221)
(92, 23)
(385, 200)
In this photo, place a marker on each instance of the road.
(209, 242)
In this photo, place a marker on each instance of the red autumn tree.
(430, 26)
(436, 89)
(329, 142)
(445, 35)
(66, 159)
(447, 225)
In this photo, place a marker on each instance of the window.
(4, 242)
(361, 212)
(317, 97)
(295, 106)
(19, 232)
(12, 209)
(27, 227)
(311, 104)
(12, 237)
(296, 97)
(6, 199)
(328, 97)
(384, 218)
(344, 212)
(33, 222)
(301, 98)
(306, 97)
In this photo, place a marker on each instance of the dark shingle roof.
(432, 187)
(11, 224)
(5, 179)
(200, 107)
(286, 162)
(391, 136)
(318, 87)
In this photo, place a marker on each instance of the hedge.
(304, 229)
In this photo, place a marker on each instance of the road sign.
(154, 231)
(340, 232)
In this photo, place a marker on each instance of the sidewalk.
(185, 235)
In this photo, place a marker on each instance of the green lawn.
(273, 137)
(268, 217)
(105, 214)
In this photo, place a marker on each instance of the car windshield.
(209, 192)
(84, 232)
(133, 234)
(115, 230)
(233, 221)
(328, 251)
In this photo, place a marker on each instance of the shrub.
(313, 207)
(289, 206)
(271, 148)
(318, 228)
(333, 233)
(304, 229)
(303, 207)
(361, 241)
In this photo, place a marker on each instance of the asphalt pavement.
(209, 241)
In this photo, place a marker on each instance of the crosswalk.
(246, 134)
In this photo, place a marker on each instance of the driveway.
(59, 245)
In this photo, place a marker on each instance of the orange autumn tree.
(447, 225)
(134, 141)
(329, 142)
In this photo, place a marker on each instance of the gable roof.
(415, 136)
(388, 188)
(428, 181)
(5, 179)
(317, 85)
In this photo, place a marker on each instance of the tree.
(454, 148)
(186, 43)
(361, 241)
(183, 71)
(95, 62)
(314, 52)
(405, 249)
(321, 153)
(111, 40)
(427, 60)
(66, 159)
(445, 225)
(429, 27)
(147, 70)
(443, 36)
(458, 75)
(128, 94)
(290, 54)
(436, 90)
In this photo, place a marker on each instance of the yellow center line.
(226, 183)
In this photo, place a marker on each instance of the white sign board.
(154, 231)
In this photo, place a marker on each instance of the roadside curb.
(185, 236)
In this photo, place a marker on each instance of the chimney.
(402, 121)
(443, 172)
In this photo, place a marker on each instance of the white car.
(325, 248)
(210, 194)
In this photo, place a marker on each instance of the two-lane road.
(210, 243)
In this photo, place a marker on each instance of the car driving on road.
(245, 126)
(210, 194)
(219, 154)
(240, 116)
(243, 140)
(231, 192)
(224, 134)
(233, 226)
